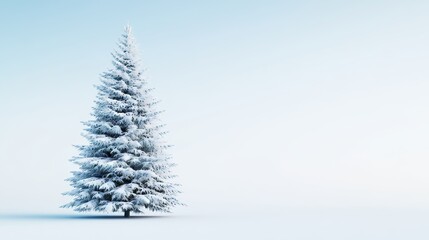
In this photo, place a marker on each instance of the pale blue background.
(271, 105)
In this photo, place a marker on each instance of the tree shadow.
(71, 217)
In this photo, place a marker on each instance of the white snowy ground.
(290, 224)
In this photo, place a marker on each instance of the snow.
(121, 193)
(143, 199)
(290, 224)
(108, 186)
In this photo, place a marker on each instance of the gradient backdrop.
(271, 105)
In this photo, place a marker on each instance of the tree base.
(127, 214)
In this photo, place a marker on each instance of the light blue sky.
(272, 103)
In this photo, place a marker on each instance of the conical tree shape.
(124, 167)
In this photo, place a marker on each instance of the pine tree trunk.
(127, 213)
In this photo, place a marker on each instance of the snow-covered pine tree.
(124, 166)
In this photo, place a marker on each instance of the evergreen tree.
(124, 167)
